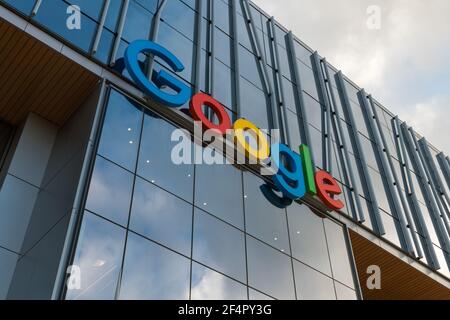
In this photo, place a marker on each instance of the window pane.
(155, 159)
(121, 130)
(137, 23)
(269, 270)
(179, 16)
(312, 285)
(210, 285)
(219, 246)
(161, 217)
(337, 246)
(308, 238)
(254, 104)
(99, 257)
(264, 220)
(153, 273)
(110, 191)
(344, 293)
(226, 201)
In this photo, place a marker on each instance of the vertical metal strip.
(395, 182)
(274, 119)
(353, 193)
(427, 178)
(445, 167)
(211, 47)
(153, 36)
(279, 87)
(101, 24)
(122, 19)
(327, 145)
(198, 43)
(304, 130)
(77, 211)
(433, 170)
(36, 7)
(432, 206)
(237, 76)
(388, 181)
(426, 241)
(361, 158)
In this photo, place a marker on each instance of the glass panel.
(180, 16)
(313, 111)
(254, 104)
(99, 257)
(312, 285)
(308, 240)
(151, 272)
(269, 270)
(264, 220)
(222, 47)
(219, 246)
(137, 23)
(155, 159)
(256, 295)
(226, 200)
(110, 191)
(121, 131)
(210, 285)
(24, 6)
(389, 223)
(223, 79)
(344, 293)
(161, 217)
(337, 247)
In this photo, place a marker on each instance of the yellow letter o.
(263, 151)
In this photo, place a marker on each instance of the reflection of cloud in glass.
(161, 216)
(110, 191)
(210, 285)
(152, 272)
(99, 257)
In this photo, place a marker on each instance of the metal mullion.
(432, 206)
(101, 24)
(433, 170)
(286, 138)
(416, 211)
(380, 143)
(327, 123)
(343, 154)
(198, 51)
(396, 182)
(36, 7)
(153, 36)
(237, 76)
(274, 119)
(306, 138)
(122, 19)
(439, 201)
(361, 159)
(445, 167)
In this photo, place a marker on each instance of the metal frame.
(326, 112)
(353, 190)
(444, 163)
(262, 65)
(388, 181)
(304, 129)
(395, 180)
(122, 18)
(374, 211)
(278, 82)
(36, 7)
(431, 203)
(237, 75)
(153, 35)
(198, 51)
(100, 27)
(413, 202)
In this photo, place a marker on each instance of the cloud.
(404, 64)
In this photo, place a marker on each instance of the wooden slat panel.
(35, 78)
(399, 281)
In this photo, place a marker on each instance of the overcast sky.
(405, 64)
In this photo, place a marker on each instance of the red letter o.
(198, 101)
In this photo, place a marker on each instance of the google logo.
(295, 176)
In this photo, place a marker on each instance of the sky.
(398, 50)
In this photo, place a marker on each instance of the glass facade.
(156, 235)
(155, 230)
